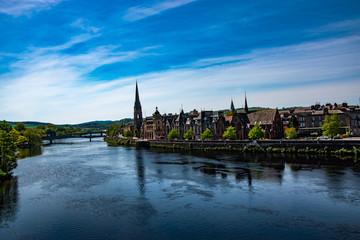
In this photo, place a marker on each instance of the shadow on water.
(30, 152)
(9, 197)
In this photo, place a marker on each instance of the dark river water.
(86, 190)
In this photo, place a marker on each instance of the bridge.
(89, 135)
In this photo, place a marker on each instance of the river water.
(86, 190)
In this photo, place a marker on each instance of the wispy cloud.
(24, 7)
(47, 84)
(140, 12)
(84, 25)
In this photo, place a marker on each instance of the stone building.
(270, 121)
(311, 118)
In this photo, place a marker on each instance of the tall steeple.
(232, 108)
(137, 111)
(246, 105)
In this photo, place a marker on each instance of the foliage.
(7, 150)
(290, 133)
(5, 126)
(20, 127)
(50, 132)
(136, 133)
(294, 123)
(256, 132)
(33, 136)
(21, 140)
(230, 133)
(331, 126)
(113, 130)
(206, 134)
(189, 134)
(127, 133)
(173, 134)
(229, 113)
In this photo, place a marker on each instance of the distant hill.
(93, 125)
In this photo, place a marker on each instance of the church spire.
(232, 107)
(137, 99)
(246, 105)
(137, 111)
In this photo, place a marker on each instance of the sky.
(73, 61)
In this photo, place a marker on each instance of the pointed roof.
(246, 105)
(137, 99)
(232, 108)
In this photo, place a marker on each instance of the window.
(320, 124)
(313, 118)
(353, 117)
(354, 124)
(302, 119)
(302, 124)
(319, 117)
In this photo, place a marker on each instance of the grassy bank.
(114, 141)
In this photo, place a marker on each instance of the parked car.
(323, 137)
(337, 137)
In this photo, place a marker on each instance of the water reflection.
(140, 171)
(30, 152)
(8, 201)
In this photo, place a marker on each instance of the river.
(78, 189)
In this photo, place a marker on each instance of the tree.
(290, 133)
(20, 127)
(256, 132)
(7, 150)
(331, 126)
(113, 130)
(5, 126)
(189, 134)
(33, 136)
(230, 133)
(136, 133)
(173, 134)
(229, 113)
(294, 123)
(206, 134)
(128, 133)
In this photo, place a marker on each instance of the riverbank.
(346, 150)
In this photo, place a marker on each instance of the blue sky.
(71, 61)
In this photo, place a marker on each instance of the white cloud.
(24, 7)
(49, 86)
(140, 12)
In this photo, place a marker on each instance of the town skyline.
(82, 65)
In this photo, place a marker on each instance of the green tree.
(33, 136)
(113, 130)
(5, 126)
(189, 134)
(127, 133)
(230, 133)
(173, 134)
(294, 123)
(331, 126)
(20, 127)
(290, 133)
(256, 132)
(206, 134)
(7, 150)
(229, 113)
(136, 133)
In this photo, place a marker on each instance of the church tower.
(137, 111)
